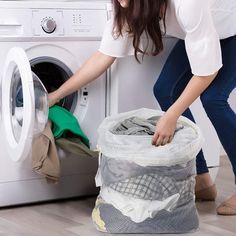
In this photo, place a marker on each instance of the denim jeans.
(173, 79)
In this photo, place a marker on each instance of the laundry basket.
(144, 188)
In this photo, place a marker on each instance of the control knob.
(48, 25)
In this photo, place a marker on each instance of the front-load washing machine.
(49, 41)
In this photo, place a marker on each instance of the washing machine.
(41, 45)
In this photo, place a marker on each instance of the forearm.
(92, 69)
(196, 86)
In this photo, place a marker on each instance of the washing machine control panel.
(70, 21)
(48, 25)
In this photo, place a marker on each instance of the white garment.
(138, 210)
(201, 23)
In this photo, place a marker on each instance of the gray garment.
(151, 182)
(113, 170)
(146, 187)
(155, 187)
(138, 126)
(183, 219)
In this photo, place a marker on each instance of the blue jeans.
(173, 79)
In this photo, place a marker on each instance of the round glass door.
(24, 104)
(17, 100)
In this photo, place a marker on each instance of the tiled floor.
(73, 218)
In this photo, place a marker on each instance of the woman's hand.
(52, 99)
(165, 129)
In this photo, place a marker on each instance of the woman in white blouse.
(203, 63)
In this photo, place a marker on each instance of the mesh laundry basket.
(143, 188)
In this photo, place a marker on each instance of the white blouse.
(201, 23)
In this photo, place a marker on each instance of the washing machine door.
(24, 105)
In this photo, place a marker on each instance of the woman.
(207, 36)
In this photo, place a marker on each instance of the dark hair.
(141, 16)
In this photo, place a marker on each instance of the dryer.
(49, 41)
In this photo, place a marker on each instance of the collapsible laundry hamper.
(144, 188)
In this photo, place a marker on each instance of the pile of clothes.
(143, 188)
(64, 131)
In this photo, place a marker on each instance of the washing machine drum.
(144, 188)
(40, 103)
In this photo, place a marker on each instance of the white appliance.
(52, 40)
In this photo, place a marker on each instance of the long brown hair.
(141, 16)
